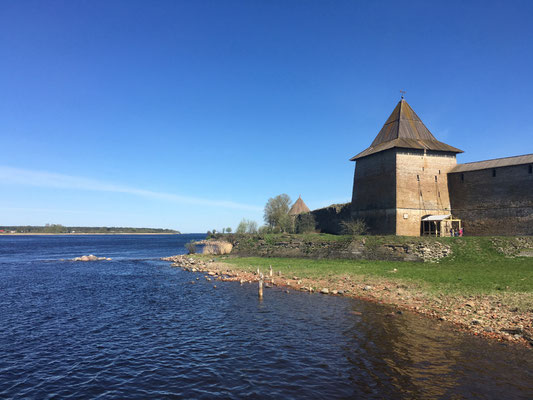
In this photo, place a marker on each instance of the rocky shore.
(488, 316)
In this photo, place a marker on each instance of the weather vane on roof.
(402, 92)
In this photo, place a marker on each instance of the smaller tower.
(299, 207)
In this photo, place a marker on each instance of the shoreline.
(482, 315)
(83, 233)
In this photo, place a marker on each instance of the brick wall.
(421, 187)
(328, 219)
(374, 192)
(493, 201)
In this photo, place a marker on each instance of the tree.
(252, 227)
(228, 229)
(277, 212)
(247, 226)
(354, 227)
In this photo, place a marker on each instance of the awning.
(436, 217)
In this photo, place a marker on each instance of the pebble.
(367, 287)
(324, 291)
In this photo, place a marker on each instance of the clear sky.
(191, 114)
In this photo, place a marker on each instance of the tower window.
(462, 177)
(494, 172)
(439, 171)
(422, 168)
(420, 193)
(418, 178)
(435, 178)
(439, 193)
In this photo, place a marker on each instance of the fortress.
(409, 183)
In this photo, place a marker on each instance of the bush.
(264, 229)
(191, 247)
(354, 227)
(218, 248)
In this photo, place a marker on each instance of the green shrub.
(191, 247)
(354, 227)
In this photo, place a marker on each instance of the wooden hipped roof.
(404, 129)
(495, 163)
(299, 207)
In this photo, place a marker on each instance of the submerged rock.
(91, 257)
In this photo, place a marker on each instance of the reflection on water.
(422, 358)
(138, 328)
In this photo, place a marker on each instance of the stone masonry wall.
(493, 205)
(421, 187)
(419, 249)
(374, 192)
(328, 219)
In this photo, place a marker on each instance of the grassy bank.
(484, 287)
(475, 267)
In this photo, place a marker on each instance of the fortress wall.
(421, 187)
(374, 192)
(493, 205)
(328, 219)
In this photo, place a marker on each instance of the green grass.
(474, 268)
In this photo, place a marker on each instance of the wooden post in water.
(270, 271)
(260, 287)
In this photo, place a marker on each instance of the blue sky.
(191, 114)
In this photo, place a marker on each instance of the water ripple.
(137, 328)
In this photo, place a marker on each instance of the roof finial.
(402, 92)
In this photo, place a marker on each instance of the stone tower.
(299, 207)
(402, 176)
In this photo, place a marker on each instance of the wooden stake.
(260, 287)
(270, 271)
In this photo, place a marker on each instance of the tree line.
(278, 220)
(58, 228)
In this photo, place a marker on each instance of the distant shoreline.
(83, 233)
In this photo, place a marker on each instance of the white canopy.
(436, 217)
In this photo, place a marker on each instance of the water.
(135, 327)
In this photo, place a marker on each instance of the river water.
(135, 327)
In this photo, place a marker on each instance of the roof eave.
(369, 151)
